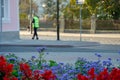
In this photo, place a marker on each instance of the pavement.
(49, 35)
(49, 38)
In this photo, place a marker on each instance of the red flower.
(6, 69)
(81, 77)
(25, 68)
(115, 74)
(2, 64)
(48, 75)
(91, 73)
(14, 78)
(7, 78)
(9, 69)
(37, 75)
(2, 59)
(104, 75)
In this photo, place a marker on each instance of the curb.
(33, 45)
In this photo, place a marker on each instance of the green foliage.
(24, 6)
(50, 7)
(112, 7)
(92, 5)
(85, 13)
(52, 63)
(23, 16)
(12, 58)
(79, 64)
(24, 22)
(72, 10)
(15, 73)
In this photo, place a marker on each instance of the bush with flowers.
(15, 68)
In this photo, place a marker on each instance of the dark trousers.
(35, 33)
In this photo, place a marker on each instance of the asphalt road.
(95, 48)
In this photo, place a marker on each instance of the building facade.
(9, 20)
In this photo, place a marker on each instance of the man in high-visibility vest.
(35, 25)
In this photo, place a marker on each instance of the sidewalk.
(50, 33)
(100, 38)
(66, 39)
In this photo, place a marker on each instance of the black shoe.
(37, 38)
(32, 38)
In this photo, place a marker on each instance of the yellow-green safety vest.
(36, 22)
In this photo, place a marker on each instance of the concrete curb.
(48, 43)
(33, 45)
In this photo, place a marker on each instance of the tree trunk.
(93, 24)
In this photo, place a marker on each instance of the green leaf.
(52, 63)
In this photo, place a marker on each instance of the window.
(5, 10)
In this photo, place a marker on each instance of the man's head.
(36, 14)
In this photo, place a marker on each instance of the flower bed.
(15, 68)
